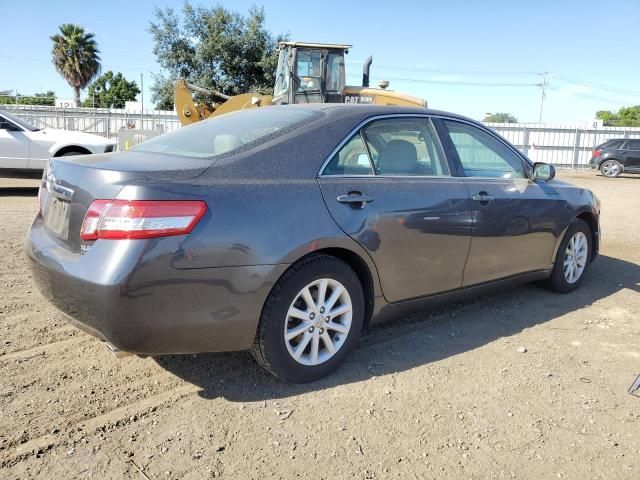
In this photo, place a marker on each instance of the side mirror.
(543, 171)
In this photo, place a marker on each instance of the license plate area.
(57, 217)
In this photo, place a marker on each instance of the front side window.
(335, 72)
(634, 145)
(482, 154)
(282, 74)
(405, 146)
(308, 70)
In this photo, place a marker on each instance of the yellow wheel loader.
(307, 73)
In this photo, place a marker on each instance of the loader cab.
(310, 73)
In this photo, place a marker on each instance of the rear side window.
(405, 146)
(351, 159)
(229, 133)
(393, 146)
(613, 144)
(634, 145)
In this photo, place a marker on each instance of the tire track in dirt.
(41, 350)
(136, 409)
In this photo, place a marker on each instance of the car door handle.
(355, 199)
(482, 197)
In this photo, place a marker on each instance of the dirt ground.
(449, 393)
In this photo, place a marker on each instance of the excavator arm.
(190, 112)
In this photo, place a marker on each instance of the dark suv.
(617, 156)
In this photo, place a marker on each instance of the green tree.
(626, 117)
(214, 48)
(162, 92)
(76, 57)
(500, 117)
(110, 90)
(44, 98)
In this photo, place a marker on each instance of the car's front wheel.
(611, 168)
(311, 320)
(573, 258)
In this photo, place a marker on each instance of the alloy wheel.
(575, 257)
(610, 169)
(318, 321)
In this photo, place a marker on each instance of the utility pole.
(543, 87)
(141, 100)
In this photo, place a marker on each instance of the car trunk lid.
(71, 184)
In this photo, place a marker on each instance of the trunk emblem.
(63, 193)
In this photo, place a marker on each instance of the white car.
(25, 148)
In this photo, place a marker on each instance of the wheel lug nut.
(321, 309)
(312, 315)
(327, 318)
(310, 329)
(322, 330)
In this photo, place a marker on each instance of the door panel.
(14, 149)
(513, 217)
(513, 232)
(632, 155)
(416, 229)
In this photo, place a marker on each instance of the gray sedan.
(287, 230)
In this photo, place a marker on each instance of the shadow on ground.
(412, 341)
(18, 191)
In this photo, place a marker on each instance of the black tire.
(73, 153)
(270, 348)
(557, 281)
(615, 172)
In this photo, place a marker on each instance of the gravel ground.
(522, 384)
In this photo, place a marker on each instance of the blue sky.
(446, 52)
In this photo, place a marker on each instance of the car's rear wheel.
(611, 168)
(573, 258)
(311, 320)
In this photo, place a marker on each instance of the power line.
(588, 96)
(462, 83)
(599, 86)
(443, 72)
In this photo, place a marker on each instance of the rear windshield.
(229, 133)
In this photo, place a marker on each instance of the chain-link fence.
(100, 121)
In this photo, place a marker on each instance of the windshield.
(308, 69)
(18, 121)
(228, 133)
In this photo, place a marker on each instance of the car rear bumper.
(125, 292)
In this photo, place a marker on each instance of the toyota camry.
(287, 230)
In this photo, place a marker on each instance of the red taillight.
(596, 153)
(120, 219)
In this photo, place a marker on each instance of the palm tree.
(75, 56)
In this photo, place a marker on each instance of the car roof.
(336, 111)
